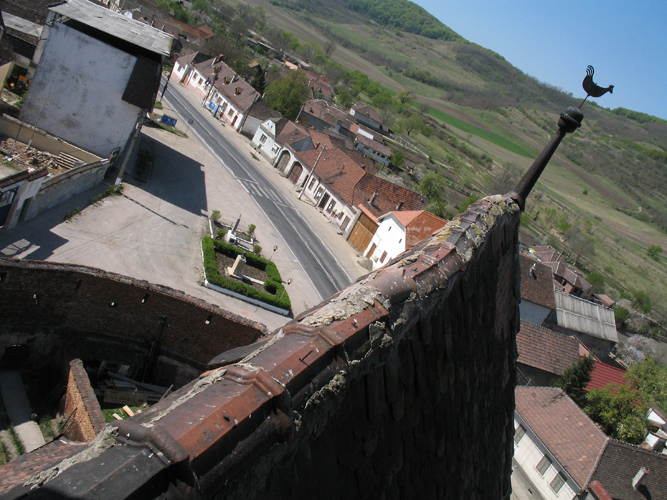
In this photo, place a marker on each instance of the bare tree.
(329, 47)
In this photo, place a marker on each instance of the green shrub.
(251, 229)
(257, 250)
(215, 215)
(220, 234)
(278, 298)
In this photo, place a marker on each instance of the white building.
(556, 445)
(399, 231)
(98, 76)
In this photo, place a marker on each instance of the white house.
(98, 76)
(556, 445)
(399, 231)
(265, 138)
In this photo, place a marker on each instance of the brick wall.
(100, 315)
(400, 386)
(81, 410)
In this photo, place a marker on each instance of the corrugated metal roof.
(585, 317)
(117, 25)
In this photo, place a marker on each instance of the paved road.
(323, 269)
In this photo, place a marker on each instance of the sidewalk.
(18, 409)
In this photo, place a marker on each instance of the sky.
(625, 41)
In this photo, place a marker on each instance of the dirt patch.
(252, 272)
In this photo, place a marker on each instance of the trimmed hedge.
(275, 294)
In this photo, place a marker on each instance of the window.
(262, 139)
(319, 194)
(275, 148)
(543, 465)
(331, 205)
(200, 80)
(231, 112)
(518, 433)
(384, 256)
(557, 482)
(312, 184)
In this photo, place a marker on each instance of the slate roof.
(537, 282)
(618, 466)
(236, 90)
(260, 110)
(389, 196)
(570, 436)
(545, 349)
(604, 374)
(116, 25)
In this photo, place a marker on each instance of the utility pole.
(312, 172)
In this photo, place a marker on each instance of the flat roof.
(116, 25)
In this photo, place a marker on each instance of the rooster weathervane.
(593, 89)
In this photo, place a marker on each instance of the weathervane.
(593, 89)
(570, 120)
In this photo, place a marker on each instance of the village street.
(153, 231)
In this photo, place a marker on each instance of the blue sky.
(626, 42)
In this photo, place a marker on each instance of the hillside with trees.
(476, 122)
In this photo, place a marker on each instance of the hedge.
(275, 294)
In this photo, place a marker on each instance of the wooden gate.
(295, 173)
(362, 233)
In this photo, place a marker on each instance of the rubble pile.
(20, 154)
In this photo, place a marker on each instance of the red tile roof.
(537, 282)
(545, 349)
(374, 145)
(235, 89)
(604, 374)
(618, 466)
(290, 133)
(570, 436)
(337, 171)
(418, 225)
(389, 196)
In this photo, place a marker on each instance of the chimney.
(372, 200)
(639, 477)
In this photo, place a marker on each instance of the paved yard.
(153, 231)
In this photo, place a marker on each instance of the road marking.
(229, 169)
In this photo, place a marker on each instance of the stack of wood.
(122, 390)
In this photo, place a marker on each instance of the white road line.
(296, 259)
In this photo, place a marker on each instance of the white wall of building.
(264, 140)
(77, 92)
(528, 453)
(389, 238)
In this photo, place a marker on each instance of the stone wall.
(59, 188)
(93, 314)
(400, 386)
(80, 408)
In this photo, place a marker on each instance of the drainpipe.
(311, 173)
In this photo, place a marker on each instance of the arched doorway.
(284, 160)
(294, 175)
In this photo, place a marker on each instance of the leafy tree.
(598, 281)
(344, 99)
(433, 187)
(412, 122)
(259, 82)
(621, 315)
(381, 100)
(654, 251)
(641, 301)
(576, 378)
(397, 159)
(405, 96)
(650, 379)
(619, 410)
(439, 208)
(288, 94)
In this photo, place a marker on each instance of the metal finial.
(593, 89)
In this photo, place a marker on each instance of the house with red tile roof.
(604, 374)
(557, 446)
(399, 231)
(537, 290)
(544, 354)
(224, 92)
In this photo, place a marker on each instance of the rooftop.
(116, 25)
(537, 282)
(545, 349)
(586, 317)
(570, 436)
(618, 466)
(604, 374)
